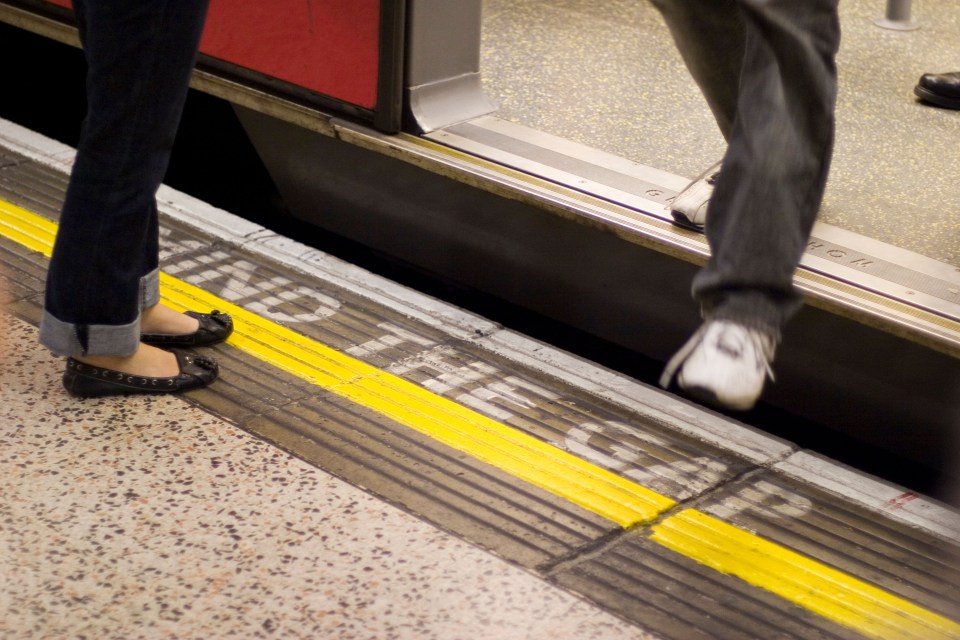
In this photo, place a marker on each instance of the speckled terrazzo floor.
(607, 74)
(148, 518)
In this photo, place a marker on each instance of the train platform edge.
(672, 519)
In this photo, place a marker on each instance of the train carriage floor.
(376, 463)
(894, 157)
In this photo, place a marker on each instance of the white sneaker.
(724, 363)
(689, 209)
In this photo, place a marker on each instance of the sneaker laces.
(764, 347)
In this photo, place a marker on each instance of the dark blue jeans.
(104, 268)
(767, 69)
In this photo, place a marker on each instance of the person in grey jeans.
(767, 70)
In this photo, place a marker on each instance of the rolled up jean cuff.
(150, 289)
(71, 339)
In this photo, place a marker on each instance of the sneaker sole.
(708, 397)
(683, 221)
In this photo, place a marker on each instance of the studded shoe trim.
(85, 380)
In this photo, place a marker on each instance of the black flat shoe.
(87, 381)
(214, 327)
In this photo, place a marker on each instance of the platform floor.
(608, 75)
(374, 463)
(152, 518)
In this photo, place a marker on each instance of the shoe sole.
(936, 99)
(708, 397)
(82, 388)
(683, 221)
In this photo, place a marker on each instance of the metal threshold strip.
(876, 283)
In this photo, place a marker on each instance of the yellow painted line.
(506, 448)
(511, 450)
(32, 231)
(805, 582)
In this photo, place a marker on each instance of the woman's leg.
(104, 269)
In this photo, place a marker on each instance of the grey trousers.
(767, 70)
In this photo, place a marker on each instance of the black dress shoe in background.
(87, 381)
(941, 89)
(214, 327)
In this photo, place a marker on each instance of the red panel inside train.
(327, 46)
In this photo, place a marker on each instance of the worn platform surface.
(377, 464)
